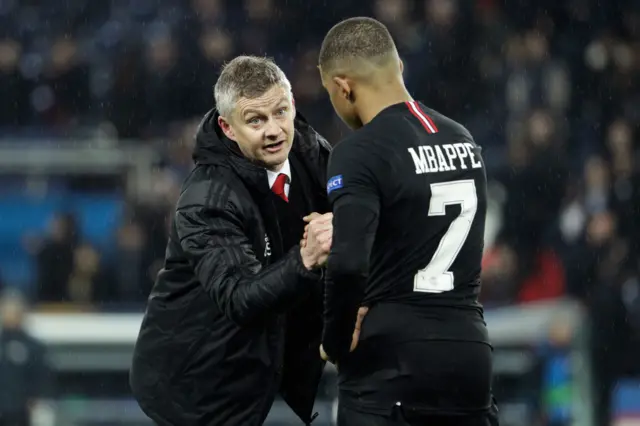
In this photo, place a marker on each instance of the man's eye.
(281, 111)
(254, 121)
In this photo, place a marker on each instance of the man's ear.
(401, 66)
(344, 87)
(226, 128)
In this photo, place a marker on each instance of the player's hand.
(316, 241)
(323, 354)
(362, 312)
(355, 338)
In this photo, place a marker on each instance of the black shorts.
(432, 377)
(403, 417)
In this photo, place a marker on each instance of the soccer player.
(408, 192)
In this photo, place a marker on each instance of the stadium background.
(98, 106)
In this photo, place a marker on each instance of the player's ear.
(401, 65)
(344, 87)
(226, 128)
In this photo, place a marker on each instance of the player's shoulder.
(392, 122)
(446, 126)
(368, 133)
(360, 155)
(359, 144)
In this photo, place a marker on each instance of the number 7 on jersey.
(436, 277)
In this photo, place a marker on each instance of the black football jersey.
(408, 192)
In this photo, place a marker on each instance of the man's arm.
(222, 256)
(353, 193)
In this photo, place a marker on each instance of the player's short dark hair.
(354, 39)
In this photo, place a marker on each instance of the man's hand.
(311, 216)
(316, 242)
(362, 312)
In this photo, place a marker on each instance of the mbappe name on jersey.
(444, 158)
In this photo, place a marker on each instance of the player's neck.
(375, 101)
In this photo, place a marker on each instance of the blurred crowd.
(550, 89)
(71, 270)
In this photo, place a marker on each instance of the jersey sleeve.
(353, 191)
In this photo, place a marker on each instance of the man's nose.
(272, 129)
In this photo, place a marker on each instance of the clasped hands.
(316, 241)
(314, 248)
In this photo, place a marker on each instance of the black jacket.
(227, 325)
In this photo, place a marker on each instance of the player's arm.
(353, 193)
(212, 236)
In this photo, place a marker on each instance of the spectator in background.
(534, 182)
(61, 96)
(214, 46)
(605, 268)
(14, 104)
(129, 271)
(499, 275)
(126, 106)
(166, 94)
(89, 282)
(625, 180)
(154, 220)
(25, 376)
(178, 156)
(55, 259)
(510, 279)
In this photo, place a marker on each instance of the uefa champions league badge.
(334, 183)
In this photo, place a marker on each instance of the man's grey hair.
(247, 77)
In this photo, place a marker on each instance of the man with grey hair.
(235, 315)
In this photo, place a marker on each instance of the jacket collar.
(213, 147)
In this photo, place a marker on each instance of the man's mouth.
(274, 147)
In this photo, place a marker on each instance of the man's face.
(263, 127)
(339, 90)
